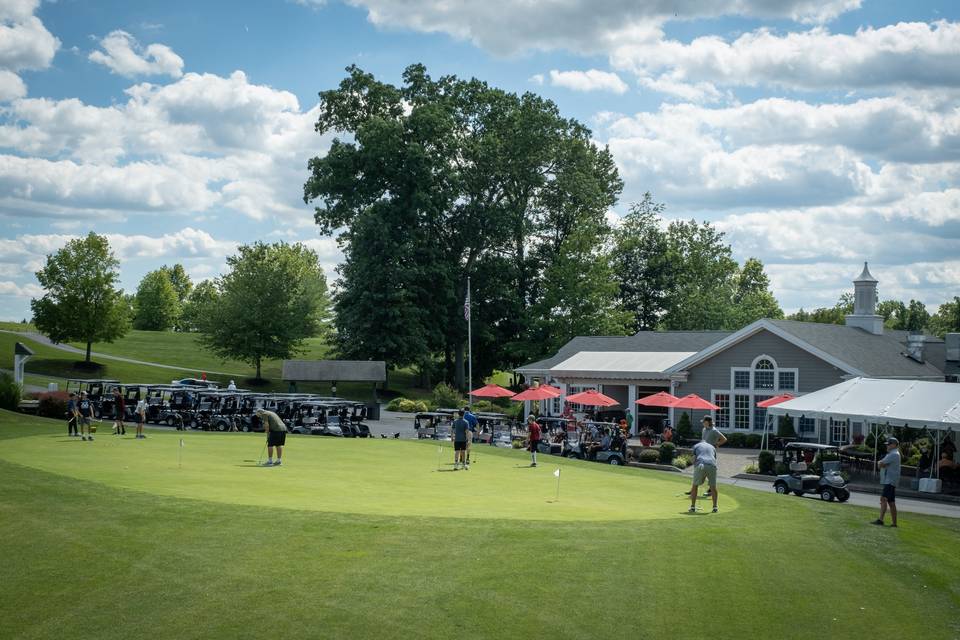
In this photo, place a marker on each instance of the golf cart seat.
(797, 468)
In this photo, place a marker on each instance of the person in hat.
(276, 435)
(712, 436)
(889, 477)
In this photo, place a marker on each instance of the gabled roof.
(649, 341)
(618, 364)
(850, 349)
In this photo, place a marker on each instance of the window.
(788, 380)
(741, 412)
(759, 413)
(721, 416)
(807, 425)
(763, 375)
(838, 431)
(741, 379)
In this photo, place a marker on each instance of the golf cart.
(554, 434)
(830, 486)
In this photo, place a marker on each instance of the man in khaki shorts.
(704, 469)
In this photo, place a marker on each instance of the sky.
(816, 134)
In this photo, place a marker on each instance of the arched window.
(764, 372)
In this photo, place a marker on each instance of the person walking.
(461, 430)
(141, 416)
(534, 431)
(889, 478)
(473, 423)
(276, 435)
(119, 411)
(705, 469)
(73, 418)
(84, 415)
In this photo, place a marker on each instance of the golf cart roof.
(93, 380)
(813, 446)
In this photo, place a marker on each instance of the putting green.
(374, 476)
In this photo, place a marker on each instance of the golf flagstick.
(557, 474)
(180, 455)
(439, 456)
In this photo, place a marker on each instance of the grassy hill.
(358, 539)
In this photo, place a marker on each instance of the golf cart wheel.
(170, 421)
(194, 424)
(615, 461)
(246, 428)
(781, 488)
(826, 495)
(221, 426)
(799, 494)
(843, 497)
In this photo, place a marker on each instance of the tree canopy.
(272, 299)
(82, 301)
(156, 305)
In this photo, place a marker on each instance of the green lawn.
(365, 538)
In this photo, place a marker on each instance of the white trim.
(763, 356)
(754, 328)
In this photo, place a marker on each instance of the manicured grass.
(359, 539)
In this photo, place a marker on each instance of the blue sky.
(816, 134)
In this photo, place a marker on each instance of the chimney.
(953, 346)
(915, 346)
(864, 314)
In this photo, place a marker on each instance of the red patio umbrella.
(492, 391)
(769, 402)
(592, 398)
(693, 401)
(659, 399)
(535, 393)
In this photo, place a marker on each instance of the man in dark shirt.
(84, 414)
(276, 435)
(461, 429)
(533, 429)
(72, 418)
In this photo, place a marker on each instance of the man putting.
(84, 415)
(712, 436)
(276, 435)
(705, 469)
(889, 478)
(533, 428)
(460, 430)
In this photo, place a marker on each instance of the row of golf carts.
(192, 406)
(596, 441)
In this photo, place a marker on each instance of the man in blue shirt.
(72, 430)
(705, 469)
(461, 429)
(889, 478)
(472, 421)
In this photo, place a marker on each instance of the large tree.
(156, 305)
(464, 181)
(640, 264)
(273, 298)
(752, 297)
(198, 305)
(82, 301)
(947, 318)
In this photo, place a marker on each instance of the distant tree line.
(897, 315)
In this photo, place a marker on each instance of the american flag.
(466, 307)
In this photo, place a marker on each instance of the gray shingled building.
(736, 370)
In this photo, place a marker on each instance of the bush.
(517, 444)
(782, 469)
(736, 440)
(9, 392)
(766, 463)
(753, 441)
(751, 468)
(785, 428)
(650, 456)
(667, 451)
(52, 404)
(682, 462)
(394, 405)
(685, 427)
(446, 397)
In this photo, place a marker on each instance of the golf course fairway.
(367, 539)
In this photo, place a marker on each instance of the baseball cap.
(892, 440)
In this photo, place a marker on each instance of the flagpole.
(469, 347)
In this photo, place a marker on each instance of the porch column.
(563, 395)
(632, 404)
(670, 411)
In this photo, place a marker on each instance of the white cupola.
(864, 314)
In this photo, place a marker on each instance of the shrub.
(782, 469)
(9, 392)
(667, 451)
(753, 441)
(736, 440)
(406, 405)
(650, 456)
(785, 428)
(751, 468)
(446, 397)
(766, 463)
(685, 427)
(394, 405)
(517, 444)
(682, 462)
(52, 404)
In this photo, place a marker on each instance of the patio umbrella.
(659, 399)
(592, 398)
(492, 391)
(554, 390)
(769, 402)
(693, 401)
(535, 393)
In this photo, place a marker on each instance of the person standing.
(276, 435)
(119, 410)
(232, 386)
(889, 478)
(461, 429)
(712, 436)
(629, 420)
(73, 418)
(534, 431)
(141, 417)
(705, 469)
(473, 423)
(84, 414)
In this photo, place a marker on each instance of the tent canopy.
(911, 403)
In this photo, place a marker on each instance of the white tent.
(910, 403)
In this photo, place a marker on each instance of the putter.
(262, 451)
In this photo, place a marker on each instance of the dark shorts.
(459, 445)
(889, 492)
(139, 418)
(533, 445)
(84, 419)
(276, 438)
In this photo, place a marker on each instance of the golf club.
(260, 457)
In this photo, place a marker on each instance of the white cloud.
(123, 55)
(11, 86)
(29, 290)
(590, 80)
(507, 27)
(24, 44)
(902, 55)
(536, 79)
